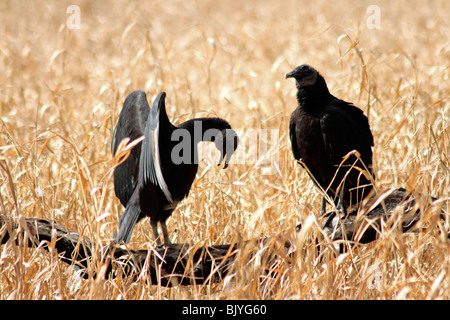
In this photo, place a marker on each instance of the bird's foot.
(323, 207)
(164, 245)
(341, 209)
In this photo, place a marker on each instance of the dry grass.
(61, 91)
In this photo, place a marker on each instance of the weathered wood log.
(397, 208)
(178, 264)
(185, 264)
(33, 231)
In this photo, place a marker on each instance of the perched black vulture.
(323, 130)
(160, 170)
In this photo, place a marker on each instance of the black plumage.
(160, 170)
(323, 130)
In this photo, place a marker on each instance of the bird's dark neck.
(203, 129)
(310, 98)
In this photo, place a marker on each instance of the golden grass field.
(61, 91)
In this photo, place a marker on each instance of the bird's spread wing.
(131, 124)
(150, 163)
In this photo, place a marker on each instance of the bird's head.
(304, 76)
(226, 142)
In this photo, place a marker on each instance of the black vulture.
(323, 130)
(160, 170)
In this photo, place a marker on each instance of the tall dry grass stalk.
(61, 91)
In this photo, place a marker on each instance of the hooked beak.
(227, 158)
(227, 142)
(290, 75)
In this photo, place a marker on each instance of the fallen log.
(177, 264)
(393, 208)
(186, 264)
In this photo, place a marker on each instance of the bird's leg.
(154, 225)
(165, 233)
(323, 208)
(340, 205)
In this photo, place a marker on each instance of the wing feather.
(151, 166)
(293, 138)
(346, 128)
(131, 124)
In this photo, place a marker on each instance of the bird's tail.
(127, 222)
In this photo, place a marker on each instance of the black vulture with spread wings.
(160, 170)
